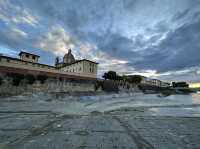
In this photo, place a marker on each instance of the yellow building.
(28, 63)
(29, 57)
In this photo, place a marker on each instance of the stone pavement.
(124, 128)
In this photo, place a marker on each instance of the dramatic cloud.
(151, 37)
(56, 40)
(14, 14)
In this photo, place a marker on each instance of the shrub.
(16, 78)
(97, 85)
(61, 79)
(1, 81)
(42, 78)
(112, 75)
(110, 86)
(30, 78)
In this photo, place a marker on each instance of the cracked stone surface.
(103, 122)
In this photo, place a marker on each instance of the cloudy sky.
(156, 38)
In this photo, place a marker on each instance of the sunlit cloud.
(19, 32)
(56, 40)
(194, 85)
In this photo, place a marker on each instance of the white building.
(82, 67)
(154, 82)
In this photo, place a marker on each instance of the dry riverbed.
(124, 121)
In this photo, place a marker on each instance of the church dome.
(68, 58)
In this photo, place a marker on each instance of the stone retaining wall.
(7, 89)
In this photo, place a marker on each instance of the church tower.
(69, 58)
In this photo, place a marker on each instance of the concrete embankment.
(16, 84)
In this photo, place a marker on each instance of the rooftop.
(16, 59)
(23, 52)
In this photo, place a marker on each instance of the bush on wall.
(1, 81)
(16, 78)
(42, 78)
(30, 79)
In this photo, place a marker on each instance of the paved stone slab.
(22, 122)
(167, 132)
(79, 139)
(90, 123)
(35, 124)
(7, 137)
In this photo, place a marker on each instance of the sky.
(154, 38)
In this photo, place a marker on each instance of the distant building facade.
(180, 85)
(69, 66)
(154, 82)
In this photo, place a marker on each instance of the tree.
(119, 77)
(105, 76)
(124, 78)
(111, 75)
(1, 81)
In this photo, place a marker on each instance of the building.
(154, 82)
(180, 85)
(165, 84)
(69, 67)
(29, 57)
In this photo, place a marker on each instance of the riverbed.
(105, 121)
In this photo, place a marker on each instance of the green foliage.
(98, 84)
(111, 75)
(16, 78)
(61, 79)
(1, 81)
(42, 78)
(30, 78)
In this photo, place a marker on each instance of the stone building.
(29, 57)
(154, 82)
(69, 58)
(69, 67)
